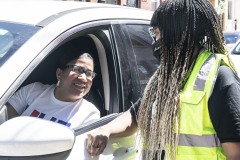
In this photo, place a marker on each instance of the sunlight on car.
(231, 38)
(6, 41)
(235, 56)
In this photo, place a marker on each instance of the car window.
(136, 60)
(12, 37)
(142, 47)
(6, 41)
(94, 41)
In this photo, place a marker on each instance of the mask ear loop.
(152, 34)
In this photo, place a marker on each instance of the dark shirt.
(223, 105)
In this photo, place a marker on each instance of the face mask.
(156, 49)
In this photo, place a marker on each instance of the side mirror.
(33, 138)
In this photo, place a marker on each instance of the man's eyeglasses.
(80, 70)
(152, 33)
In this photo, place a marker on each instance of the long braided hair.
(184, 26)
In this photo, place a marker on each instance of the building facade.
(227, 9)
(233, 15)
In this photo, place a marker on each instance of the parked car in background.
(236, 48)
(231, 38)
(235, 55)
(31, 32)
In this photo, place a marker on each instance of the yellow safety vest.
(197, 137)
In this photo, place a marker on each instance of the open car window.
(45, 72)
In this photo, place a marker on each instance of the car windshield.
(12, 37)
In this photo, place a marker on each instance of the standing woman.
(188, 111)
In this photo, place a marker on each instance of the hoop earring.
(58, 83)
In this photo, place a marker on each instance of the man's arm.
(124, 125)
(11, 111)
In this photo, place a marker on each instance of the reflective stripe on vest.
(199, 141)
(203, 74)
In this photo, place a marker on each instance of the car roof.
(35, 12)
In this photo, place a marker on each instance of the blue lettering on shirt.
(41, 115)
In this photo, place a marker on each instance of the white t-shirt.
(38, 100)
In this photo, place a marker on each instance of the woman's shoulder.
(226, 76)
(224, 105)
(89, 104)
(37, 86)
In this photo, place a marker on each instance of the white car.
(235, 55)
(31, 33)
(231, 38)
(236, 48)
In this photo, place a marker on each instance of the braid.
(184, 25)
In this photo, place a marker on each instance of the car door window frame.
(72, 33)
(129, 69)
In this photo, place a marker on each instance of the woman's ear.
(59, 73)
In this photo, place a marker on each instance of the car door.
(113, 91)
(94, 36)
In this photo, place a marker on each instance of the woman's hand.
(124, 125)
(97, 141)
